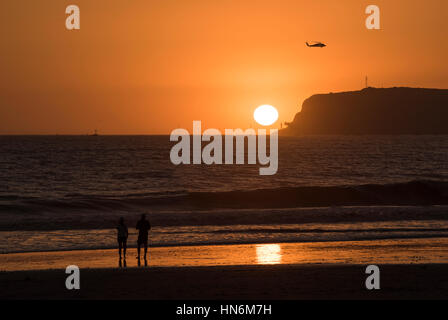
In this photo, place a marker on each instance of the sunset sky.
(148, 67)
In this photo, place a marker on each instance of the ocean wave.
(413, 193)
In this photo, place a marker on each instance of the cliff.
(374, 111)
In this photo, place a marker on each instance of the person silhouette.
(143, 226)
(122, 238)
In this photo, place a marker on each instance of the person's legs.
(138, 250)
(124, 248)
(146, 248)
(119, 247)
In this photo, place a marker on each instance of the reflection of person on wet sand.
(122, 238)
(143, 227)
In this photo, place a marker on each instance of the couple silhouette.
(143, 226)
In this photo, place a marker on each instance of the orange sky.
(148, 67)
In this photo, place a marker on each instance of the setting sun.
(265, 115)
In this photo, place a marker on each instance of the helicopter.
(317, 44)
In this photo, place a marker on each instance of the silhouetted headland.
(374, 111)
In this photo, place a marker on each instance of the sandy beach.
(232, 282)
(410, 268)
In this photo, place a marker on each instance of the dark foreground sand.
(232, 282)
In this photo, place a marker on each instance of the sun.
(265, 115)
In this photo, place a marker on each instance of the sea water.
(67, 192)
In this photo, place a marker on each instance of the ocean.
(67, 192)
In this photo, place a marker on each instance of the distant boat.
(95, 134)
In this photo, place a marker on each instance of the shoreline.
(194, 244)
(283, 229)
(386, 251)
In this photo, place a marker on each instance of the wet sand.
(410, 268)
(392, 251)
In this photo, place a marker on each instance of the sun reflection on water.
(269, 254)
